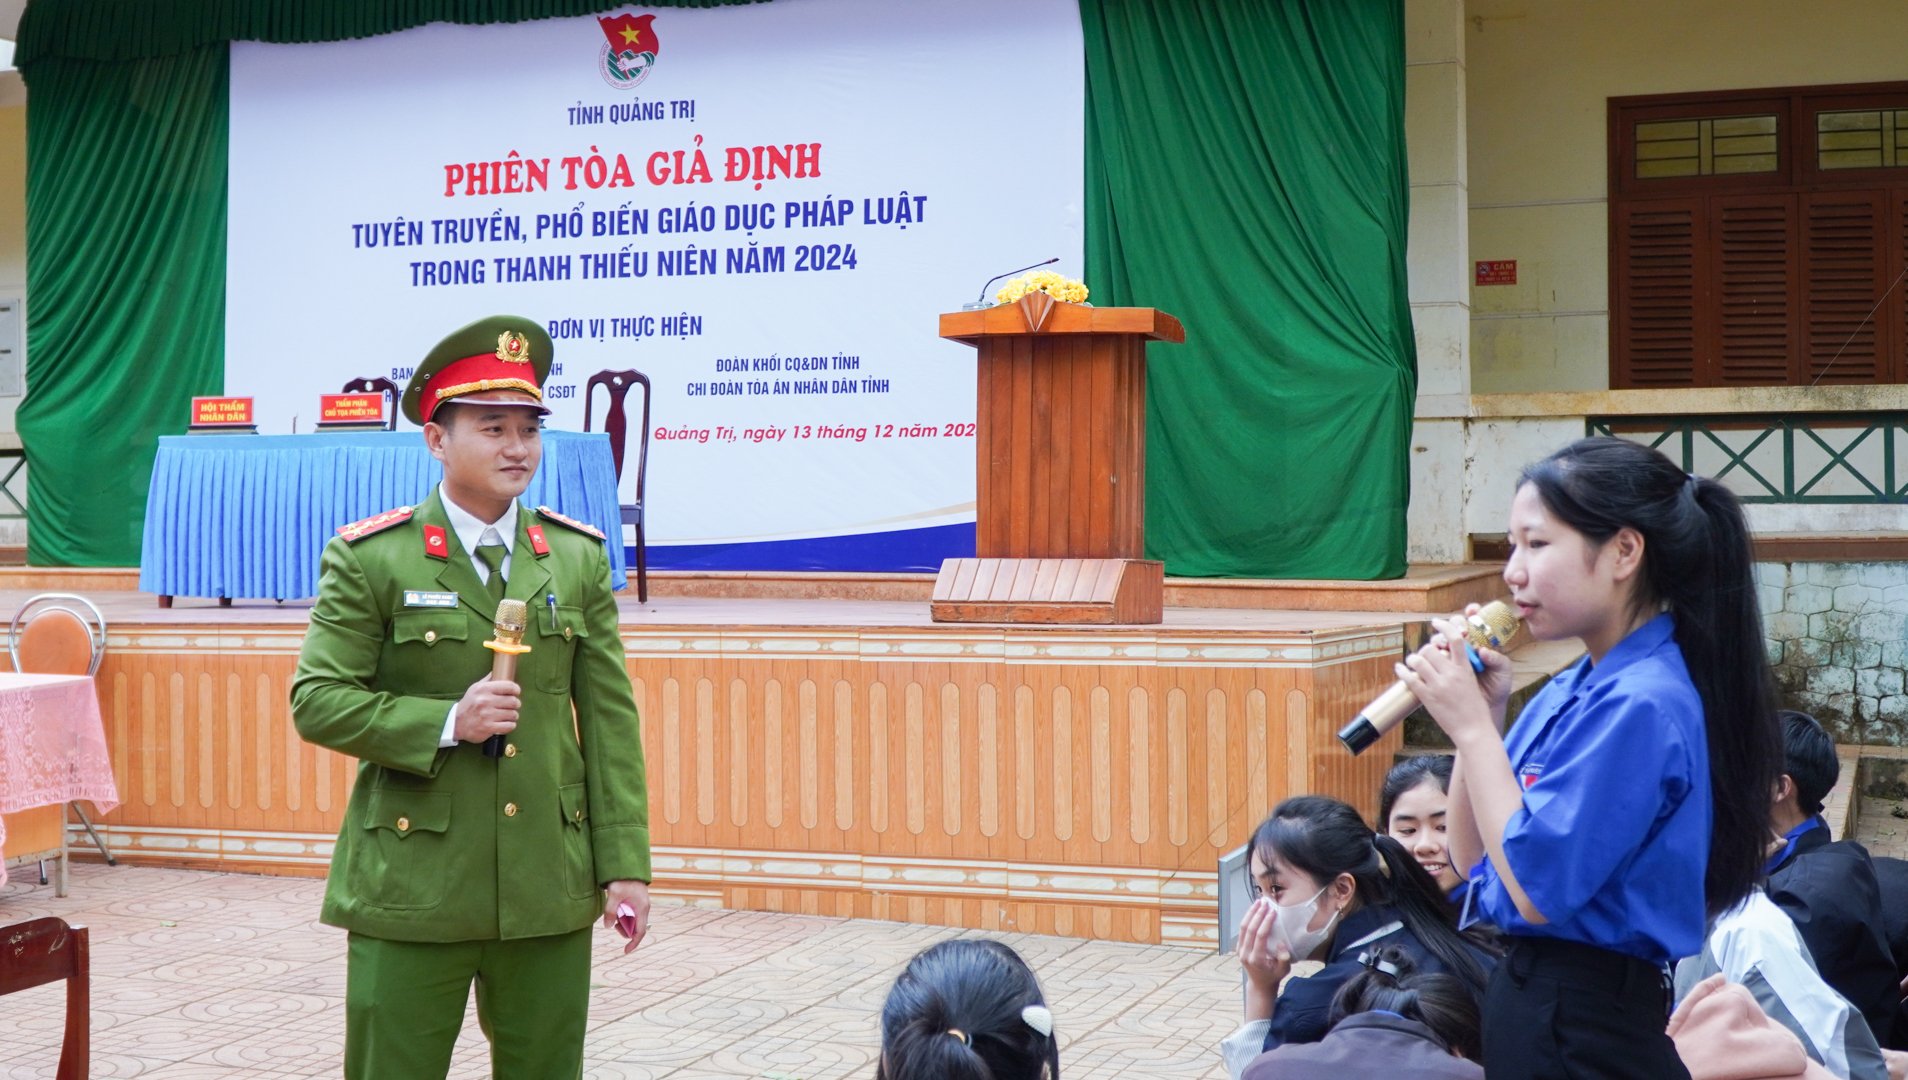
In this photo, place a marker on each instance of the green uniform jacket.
(446, 844)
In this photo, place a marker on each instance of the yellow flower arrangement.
(1071, 290)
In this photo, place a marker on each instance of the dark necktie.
(493, 557)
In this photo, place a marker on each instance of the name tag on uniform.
(419, 598)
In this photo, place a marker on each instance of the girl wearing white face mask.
(1330, 889)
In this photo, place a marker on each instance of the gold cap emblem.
(512, 348)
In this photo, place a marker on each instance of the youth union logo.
(630, 50)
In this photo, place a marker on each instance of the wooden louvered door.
(1750, 329)
(1661, 285)
(1759, 237)
(1761, 290)
(1845, 264)
(1897, 303)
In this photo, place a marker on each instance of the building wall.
(12, 221)
(1539, 73)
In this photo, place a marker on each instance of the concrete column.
(12, 270)
(1438, 267)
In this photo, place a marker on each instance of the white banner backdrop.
(762, 208)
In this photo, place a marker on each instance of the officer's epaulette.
(586, 530)
(376, 523)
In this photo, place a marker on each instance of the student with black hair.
(1328, 888)
(1388, 1021)
(1829, 888)
(967, 1009)
(1411, 810)
(1630, 801)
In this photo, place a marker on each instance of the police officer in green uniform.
(454, 865)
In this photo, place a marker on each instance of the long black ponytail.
(1324, 838)
(1698, 562)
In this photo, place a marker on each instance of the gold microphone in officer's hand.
(512, 616)
(1493, 627)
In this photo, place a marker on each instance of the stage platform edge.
(1424, 588)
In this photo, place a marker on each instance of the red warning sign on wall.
(1496, 272)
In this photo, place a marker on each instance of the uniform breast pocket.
(403, 859)
(561, 631)
(426, 647)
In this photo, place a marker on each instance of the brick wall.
(1838, 637)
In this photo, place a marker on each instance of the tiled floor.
(201, 975)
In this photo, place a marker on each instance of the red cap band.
(478, 374)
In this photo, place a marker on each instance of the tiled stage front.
(208, 976)
(837, 757)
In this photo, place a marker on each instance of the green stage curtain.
(118, 30)
(1245, 171)
(126, 197)
(126, 286)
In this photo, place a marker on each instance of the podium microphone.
(981, 301)
(512, 616)
(1492, 627)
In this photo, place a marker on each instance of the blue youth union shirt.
(1612, 841)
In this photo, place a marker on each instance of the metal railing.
(1845, 458)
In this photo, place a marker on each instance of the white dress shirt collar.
(470, 530)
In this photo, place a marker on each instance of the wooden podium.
(1061, 456)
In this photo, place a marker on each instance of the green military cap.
(494, 360)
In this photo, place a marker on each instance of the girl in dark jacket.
(1328, 889)
(1388, 1022)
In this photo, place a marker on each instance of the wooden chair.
(617, 384)
(40, 951)
(60, 634)
(377, 385)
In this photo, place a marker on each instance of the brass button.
(510, 749)
(579, 815)
(510, 809)
(568, 633)
(430, 636)
(404, 824)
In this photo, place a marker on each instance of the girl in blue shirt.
(1631, 801)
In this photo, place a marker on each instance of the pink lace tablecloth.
(52, 745)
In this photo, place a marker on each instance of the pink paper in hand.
(626, 920)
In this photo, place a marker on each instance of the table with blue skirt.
(248, 516)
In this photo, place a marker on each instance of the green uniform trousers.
(404, 1005)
